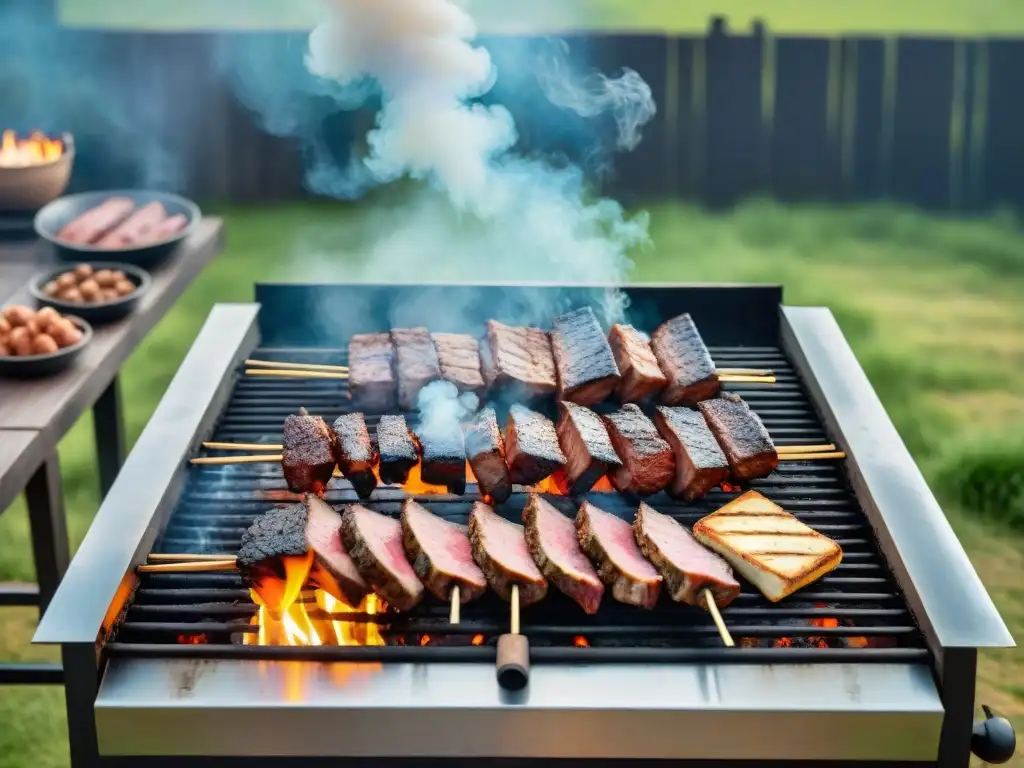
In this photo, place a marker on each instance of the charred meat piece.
(441, 554)
(518, 358)
(416, 363)
(333, 569)
(486, 453)
(398, 449)
(742, 437)
(499, 548)
(638, 366)
(700, 463)
(647, 462)
(586, 367)
(685, 361)
(687, 567)
(309, 455)
(444, 457)
(356, 454)
(278, 532)
(551, 539)
(459, 356)
(371, 374)
(531, 446)
(610, 544)
(375, 543)
(588, 450)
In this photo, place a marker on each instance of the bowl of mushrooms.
(99, 292)
(42, 343)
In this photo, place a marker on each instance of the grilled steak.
(444, 458)
(638, 366)
(610, 544)
(398, 449)
(647, 462)
(742, 437)
(486, 453)
(278, 532)
(499, 548)
(333, 570)
(459, 356)
(371, 374)
(700, 463)
(685, 361)
(531, 446)
(310, 448)
(375, 543)
(586, 367)
(588, 450)
(551, 539)
(416, 363)
(687, 567)
(518, 358)
(440, 553)
(356, 454)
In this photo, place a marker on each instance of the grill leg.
(959, 670)
(108, 424)
(49, 528)
(80, 689)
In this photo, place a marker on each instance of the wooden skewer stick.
(811, 456)
(184, 558)
(266, 458)
(762, 372)
(243, 447)
(200, 566)
(513, 663)
(453, 615)
(730, 379)
(297, 366)
(786, 449)
(289, 374)
(709, 601)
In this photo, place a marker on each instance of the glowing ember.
(425, 640)
(730, 488)
(580, 642)
(192, 639)
(35, 150)
(478, 639)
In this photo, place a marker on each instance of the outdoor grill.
(873, 664)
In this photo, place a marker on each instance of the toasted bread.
(768, 546)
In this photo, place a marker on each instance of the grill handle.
(993, 739)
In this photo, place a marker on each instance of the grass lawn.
(932, 308)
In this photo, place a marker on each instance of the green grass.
(930, 306)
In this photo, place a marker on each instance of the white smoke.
(441, 411)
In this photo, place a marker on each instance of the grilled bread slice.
(767, 545)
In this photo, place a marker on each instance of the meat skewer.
(531, 446)
(685, 361)
(588, 449)
(587, 372)
(355, 453)
(416, 363)
(700, 463)
(398, 450)
(310, 452)
(641, 375)
(742, 437)
(611, 546)
(647, 462)
(459, 356)
(486, 453)
(518, 359)
(375, 543)
(371, 372)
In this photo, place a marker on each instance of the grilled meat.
(551, 539)
(770, 548)
(375, 543)
(685, 361)
(586, 367)
(356, 454)
(278, 532)
(588, 450)
(638, 366)
(333, 570)
(371, 374)
(531, 446)
(499, 548)
(459, 356)
(416, 363)
(310, 448)
(518, 358)
(687, 567)
(398, 449)
(610, 544)
(444, 458)
(700, 463)
(742, 437)
(486, 453)
(647, 462)
(440, 553)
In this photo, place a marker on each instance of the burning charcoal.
(700, 463)
(586, 367)
(742, 437)
(415, 362)
(641, 375)
(444, 458)
(278, 532)
(499, 548)
(398, 449)
(440, 554)
(685, 361)
(531, 446)
(518, 358)
(375, 543)
(333, 570)
(588, 450)
(459, 356)
(551, 539)
(647, 462)
(611, 546)
(356, 454)
(486, 453)
(371, 375)
(309, 453)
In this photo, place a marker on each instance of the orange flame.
(580, 642)
(35, 150)
(425, 640)
(278, 594)
(478, 639)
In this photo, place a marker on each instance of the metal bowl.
(101, 312)
(51, 219)
(28, 189)
(37, 366)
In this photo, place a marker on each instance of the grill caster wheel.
(993, 740)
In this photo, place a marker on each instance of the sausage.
(94, 224)
(168, 227)
(135, 228)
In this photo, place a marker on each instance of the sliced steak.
(499, 548)
(742, 436)
(398, 449)
(375, 543)
(647, 462)
(416, 363)
(610, 544)
(588, 450)
(371, 372)
(531, 446)
(685, 361)
(687, 567)
(441, 554)
(700, 463)
(587, 372)
(551, 539)
(309, 455)
(444, 458)
(518, 359)
(638, 366)
(333, 570)
(356, 454)
(459, 356)
(486, 453)
(278, 532)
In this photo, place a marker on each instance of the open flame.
(35, 150)
(580, 642)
